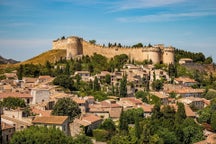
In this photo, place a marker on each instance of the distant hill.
(7, 61)
(51, 56)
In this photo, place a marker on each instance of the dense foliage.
(66, 107)
(44, 135)
(13, 103)
(165, 126)
(196, 57)
(39, 135)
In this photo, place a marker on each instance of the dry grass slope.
(51, 56)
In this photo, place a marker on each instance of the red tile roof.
(91, 118)
(15, 94)
(6, 126)
(50, 120)
(41, 112)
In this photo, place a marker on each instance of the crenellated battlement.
(76, 46)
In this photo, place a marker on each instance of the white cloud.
(164, 17)
(140, 4)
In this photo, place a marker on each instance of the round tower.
(153, 54)
(74, 47)
(168, 55)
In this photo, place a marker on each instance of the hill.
(51, 56)
(7, 61)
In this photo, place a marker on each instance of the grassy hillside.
(51, 56)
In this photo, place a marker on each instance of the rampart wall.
(77, 46)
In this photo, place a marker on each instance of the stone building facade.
(76, 46)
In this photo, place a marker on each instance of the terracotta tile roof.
(189, 112)
(207, 102)
(189, 100)
(15, 94)
(185, 79)
(79, 100)
(91, 118)
(159, 94)
(6, 126)
(41, 112)
(15, 120)
(44, 77)
(147, 107)
(115, 112)
(29, 80)
(106, 104)
(132, 100)
(50, 120)
(7, 87)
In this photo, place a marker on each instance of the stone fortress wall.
(76, 46)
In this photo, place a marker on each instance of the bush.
(101, 135)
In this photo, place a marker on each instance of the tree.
(108, 78)
(180, 114)
(157, 85)
(20, 72)
(123, 123)
(66, 107)
(123, 87)
(64, 81)
(13, 103)
(92, 41)
(67, 69)
(39, 135)
(138, 45)
(82, 139)
(96, 85)
(137, 127)
(213, 121)
(108, 125)
(143, 95)
(101, 135)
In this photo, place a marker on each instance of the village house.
(185, 81)
(18, 123)
(25, 96)
(85, 75)
(106, 109)
(185, 61)
(162, 97)
(40, 94)
(11, 76)
(195, 102)
(148, 109)
(29, 82)
(158, 74)
(40, 112)
(7, 132)
(181, 91)
(82, 103)
(60, 122)
(44, 79)
(86, 123)
(5, 88)
(129, 103)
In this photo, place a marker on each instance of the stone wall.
(77, 46)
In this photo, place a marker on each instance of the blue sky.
(27, 27)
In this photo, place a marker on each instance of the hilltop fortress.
(76, 46)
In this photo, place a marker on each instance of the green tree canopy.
(66, 107)
(13, 103)
(39, 135)
(123, 87)
(143, 95)
(65, 81)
